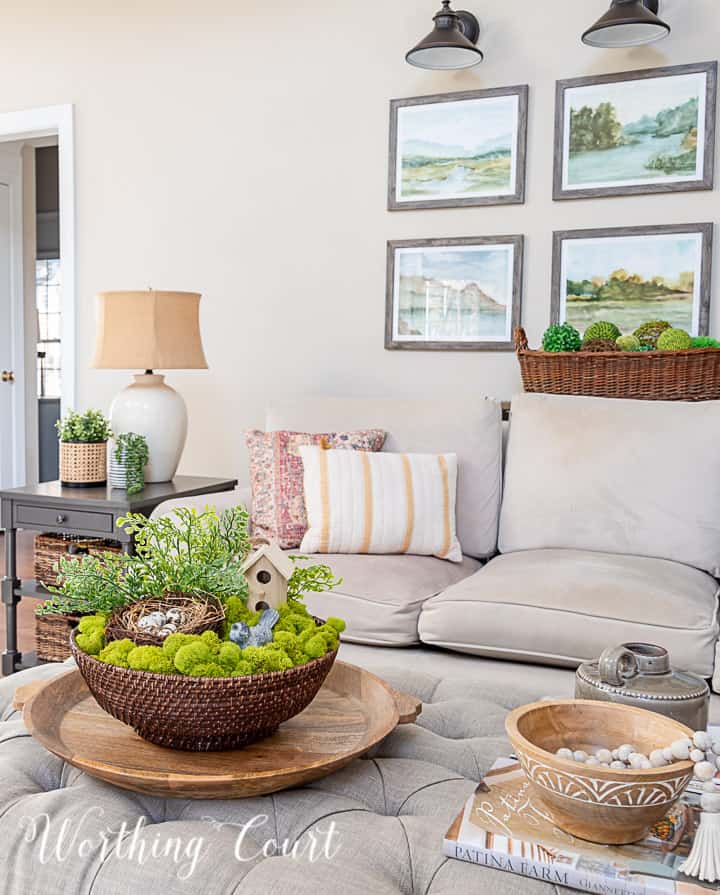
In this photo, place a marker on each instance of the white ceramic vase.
(150, 407)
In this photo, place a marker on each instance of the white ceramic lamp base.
(149, 407)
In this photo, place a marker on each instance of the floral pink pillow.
(276, 477)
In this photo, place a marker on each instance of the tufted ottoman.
(375, 827)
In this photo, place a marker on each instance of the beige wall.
(240, 149)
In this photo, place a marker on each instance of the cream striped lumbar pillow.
(362, 502)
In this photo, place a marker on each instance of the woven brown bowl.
(200, 714)
(207, 615)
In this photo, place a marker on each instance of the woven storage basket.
(119, 625)
(49, 548)
(83, 464)
(52, 631)
(692, 375)
(52, 636)
(199, 714)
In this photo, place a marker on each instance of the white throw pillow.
(361, 502)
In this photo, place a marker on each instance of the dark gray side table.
(91, 512)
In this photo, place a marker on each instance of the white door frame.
(11, 165)
(31, 124)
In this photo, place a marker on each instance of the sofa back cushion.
(467, 426)
(615, 476)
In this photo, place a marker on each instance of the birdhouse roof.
(274, 555)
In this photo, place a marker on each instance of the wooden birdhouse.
(268, 571)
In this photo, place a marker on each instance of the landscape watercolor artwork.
(631, 279)
(459, 294)
(634, 132)
(460, 149)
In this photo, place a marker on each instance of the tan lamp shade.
(149, 331)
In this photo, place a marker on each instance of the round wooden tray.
(353, 711)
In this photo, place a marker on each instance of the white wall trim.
(57, 121)
(12, 175)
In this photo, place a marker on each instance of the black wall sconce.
(628, 23)
(451, 43)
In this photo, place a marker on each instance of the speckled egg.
(151, 620)
(175, 616)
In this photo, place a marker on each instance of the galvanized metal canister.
(640, 674)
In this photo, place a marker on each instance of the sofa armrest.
(221, 500)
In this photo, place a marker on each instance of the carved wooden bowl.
(600, 804)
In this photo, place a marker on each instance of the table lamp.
(147, 331)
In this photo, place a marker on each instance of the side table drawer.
(57, 517)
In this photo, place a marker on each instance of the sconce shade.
(628, 23)
(149, 331)
(451, 43)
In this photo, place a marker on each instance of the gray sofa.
(599, 523)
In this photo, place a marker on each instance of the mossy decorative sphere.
(649, 332)
(600, 345)
(628, 343)
(705, 342)
(601, 329)
(561, 337)
(674, 340)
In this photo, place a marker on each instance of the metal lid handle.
(617, 665)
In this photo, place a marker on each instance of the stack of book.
(504, 827)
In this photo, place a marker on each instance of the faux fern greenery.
(188, 551)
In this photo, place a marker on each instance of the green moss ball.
(628, 343)
(648, 333)
(705, 342)
(599, 345)
(561, 337)
(601, 329)
(297, 639)
(674, 340)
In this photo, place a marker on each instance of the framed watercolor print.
(453, 294)
(629, 275)
(649, 131)
(457, 149)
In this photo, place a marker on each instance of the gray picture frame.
(518, 243)
(516, 198)
(706, 182)
(706, 230)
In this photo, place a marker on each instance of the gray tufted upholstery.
(390, 809)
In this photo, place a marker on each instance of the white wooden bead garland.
(703, 751)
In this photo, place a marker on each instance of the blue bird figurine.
(260, 634)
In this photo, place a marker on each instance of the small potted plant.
(83, 448)
(128, 459)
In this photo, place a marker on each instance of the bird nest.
(197, 613)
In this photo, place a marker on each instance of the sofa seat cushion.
(563, 607)
(633, 477)
(380, 597)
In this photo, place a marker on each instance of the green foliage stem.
(131, 452)
(190, 551)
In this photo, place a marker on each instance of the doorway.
(37, 289)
